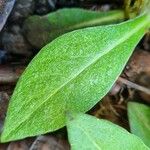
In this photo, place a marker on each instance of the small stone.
(22, 9)
(42, 7)
(14, 42)
(52, 3)
(5, 9)
(3, 56)
(67, 3)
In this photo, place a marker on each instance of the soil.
(16, 52)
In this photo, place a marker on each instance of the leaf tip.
(5, 137)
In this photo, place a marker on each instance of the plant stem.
(134, 85)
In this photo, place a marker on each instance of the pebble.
(52, 3)
(5, 9)
(22, 9)
(67, 3)
(43, 7)
(3, 56)
(14, 42)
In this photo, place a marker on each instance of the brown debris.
(144, 80)
(10, 74)
(139, 63)
(4, 100)
(138, 71)
(147, 41)
(49, 143)
(110, 109)
(19, 145)
(3, 146)
(134, 85)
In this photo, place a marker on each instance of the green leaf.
(139, 119)
(41, 30)
(71, 73)
(89, 133)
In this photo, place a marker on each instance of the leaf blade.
(139, 120)
(65, 72)
(87, 132)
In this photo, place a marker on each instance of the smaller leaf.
(40, 30)
(139, 119)
(89, 133)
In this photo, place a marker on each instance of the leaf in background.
(139, 119)
(71, 73)
(41, 30)
(87, 132)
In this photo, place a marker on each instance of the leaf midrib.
(128, 35)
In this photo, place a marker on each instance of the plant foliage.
(72, 73)
(139, 119)
(87, 132)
